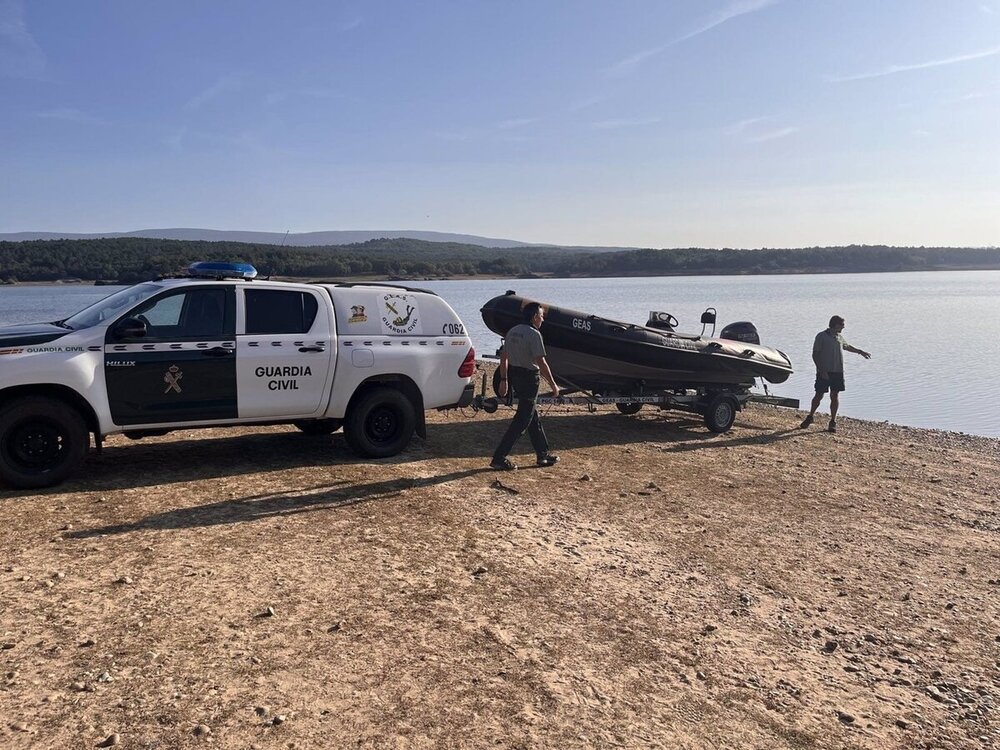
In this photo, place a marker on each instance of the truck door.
(183, 369)
(283, 352)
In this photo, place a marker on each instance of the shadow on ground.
(260, 507)
(211, 455)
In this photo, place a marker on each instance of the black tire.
(42, 441)
(380, 424)
(628, 408)
(721, 413)
(319, 426)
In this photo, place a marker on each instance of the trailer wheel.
(721, 413)
(629, 408)
(380, 424)
(318, 426)
(42, 441)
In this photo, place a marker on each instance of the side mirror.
(129, 328)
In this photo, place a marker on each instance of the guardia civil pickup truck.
(219, 347)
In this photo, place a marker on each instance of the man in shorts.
(828, 354)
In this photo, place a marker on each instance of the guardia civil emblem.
(400, 314)
(172, 377)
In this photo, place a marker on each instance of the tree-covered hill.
(131, 259)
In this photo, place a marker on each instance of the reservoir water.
(934, 337)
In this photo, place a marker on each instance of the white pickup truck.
(217, 347)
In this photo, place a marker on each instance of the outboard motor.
(742, 330)
(662, 320)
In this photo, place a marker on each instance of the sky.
(660, 123)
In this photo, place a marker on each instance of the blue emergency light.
(213, 269)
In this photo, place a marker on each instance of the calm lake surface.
(934, 337)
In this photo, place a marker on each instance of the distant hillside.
(301, 239)
(304, 239)
(130, 259)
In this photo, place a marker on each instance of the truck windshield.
(111, 307)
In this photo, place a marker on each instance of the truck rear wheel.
(721, 413)
(319, 426)
(42, 441)
(380, 424)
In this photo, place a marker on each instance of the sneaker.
(806, 422)
(505, 465)
(832, 427)
(547, 460)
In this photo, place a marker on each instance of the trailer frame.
(718, 405)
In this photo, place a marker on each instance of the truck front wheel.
(380, 424)
(42, 441)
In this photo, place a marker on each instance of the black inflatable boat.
(604, 356)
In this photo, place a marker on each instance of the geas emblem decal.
(400, 314)
(172, 377)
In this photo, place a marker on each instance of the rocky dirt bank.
(661, 586)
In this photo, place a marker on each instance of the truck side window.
(204, 316)
(190, 314)
(278, 311)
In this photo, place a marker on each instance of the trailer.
(717, 405)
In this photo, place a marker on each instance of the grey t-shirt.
(524, 344)
(828, 351)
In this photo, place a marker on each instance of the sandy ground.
(660, 587)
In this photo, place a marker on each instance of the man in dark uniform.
(522, 360)
(828, 354)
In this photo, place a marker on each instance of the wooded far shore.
(131, 259)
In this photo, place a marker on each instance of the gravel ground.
(661, 586)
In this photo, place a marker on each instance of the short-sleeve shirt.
(828, 351)
(524, 344)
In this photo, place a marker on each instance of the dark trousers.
(524, 384)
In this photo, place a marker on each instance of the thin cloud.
(352, 24)
(20, 55)
(624, 123)
(893, 69)
(733, 10)
(772, 135)
(586, 103)
(222, 86)
(631, 62)
(70, 114)
(758, 130)
(743, 125)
